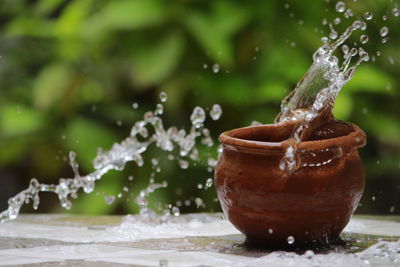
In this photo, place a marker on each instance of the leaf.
(215, 31)
(234, 90)
(46, 6)
(212, 41)
(343, 106)
(272, 91)
(370, 79)
(12, 150)
(28, 26)
(283, 62)
(91, 91)
(18, 120)
(229, 17)
(50, 86)
(155, 62)
(72, 18)
(384, 126)
(124, 15)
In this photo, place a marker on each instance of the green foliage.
(153, 63)
(214, 30)
(17, 120)
(70, 71)
(51, 85)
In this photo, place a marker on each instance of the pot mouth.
(273, 138)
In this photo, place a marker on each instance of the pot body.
(311, 205)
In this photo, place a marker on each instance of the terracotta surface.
(313, 204)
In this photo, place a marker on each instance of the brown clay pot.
(313, 204)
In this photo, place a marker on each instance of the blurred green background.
(71, 70)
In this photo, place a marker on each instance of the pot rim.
(349, 142)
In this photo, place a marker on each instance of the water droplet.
(109, 199)
(159, 109)
(254, 123)
(130, 178)
(391, 210)
(395, 12)
(290, 240)
(198, 117)
(215, 112)
(363, 38)
(368, 15)
(211, 162)
(286, 6)
(163, 96)
(373, 198)
(333, 35)
(216, 68)
(199, 186)
(135, 105)
(336, 21)
(384, 31)
(270, 231)
(309, 254)
(358, 24)
(205, 66)
(345, 49)
(209, 183)
(198, 201)
(348, 13)
(384, 17)
(378, 53)
(384, 40)
(340, 6)
(154, 161)
(183, 164)
(353, 51)
(176, 211)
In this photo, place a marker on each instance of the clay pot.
(313, 204)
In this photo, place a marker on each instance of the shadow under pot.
(309, 206)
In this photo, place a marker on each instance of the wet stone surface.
(188, 240)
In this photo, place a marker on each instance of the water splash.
(216, 112)
(130, 149)
(311, 102)
(141, 199)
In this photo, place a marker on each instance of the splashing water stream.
(311, 102)
(130, 149)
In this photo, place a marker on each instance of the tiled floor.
(188, 240)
